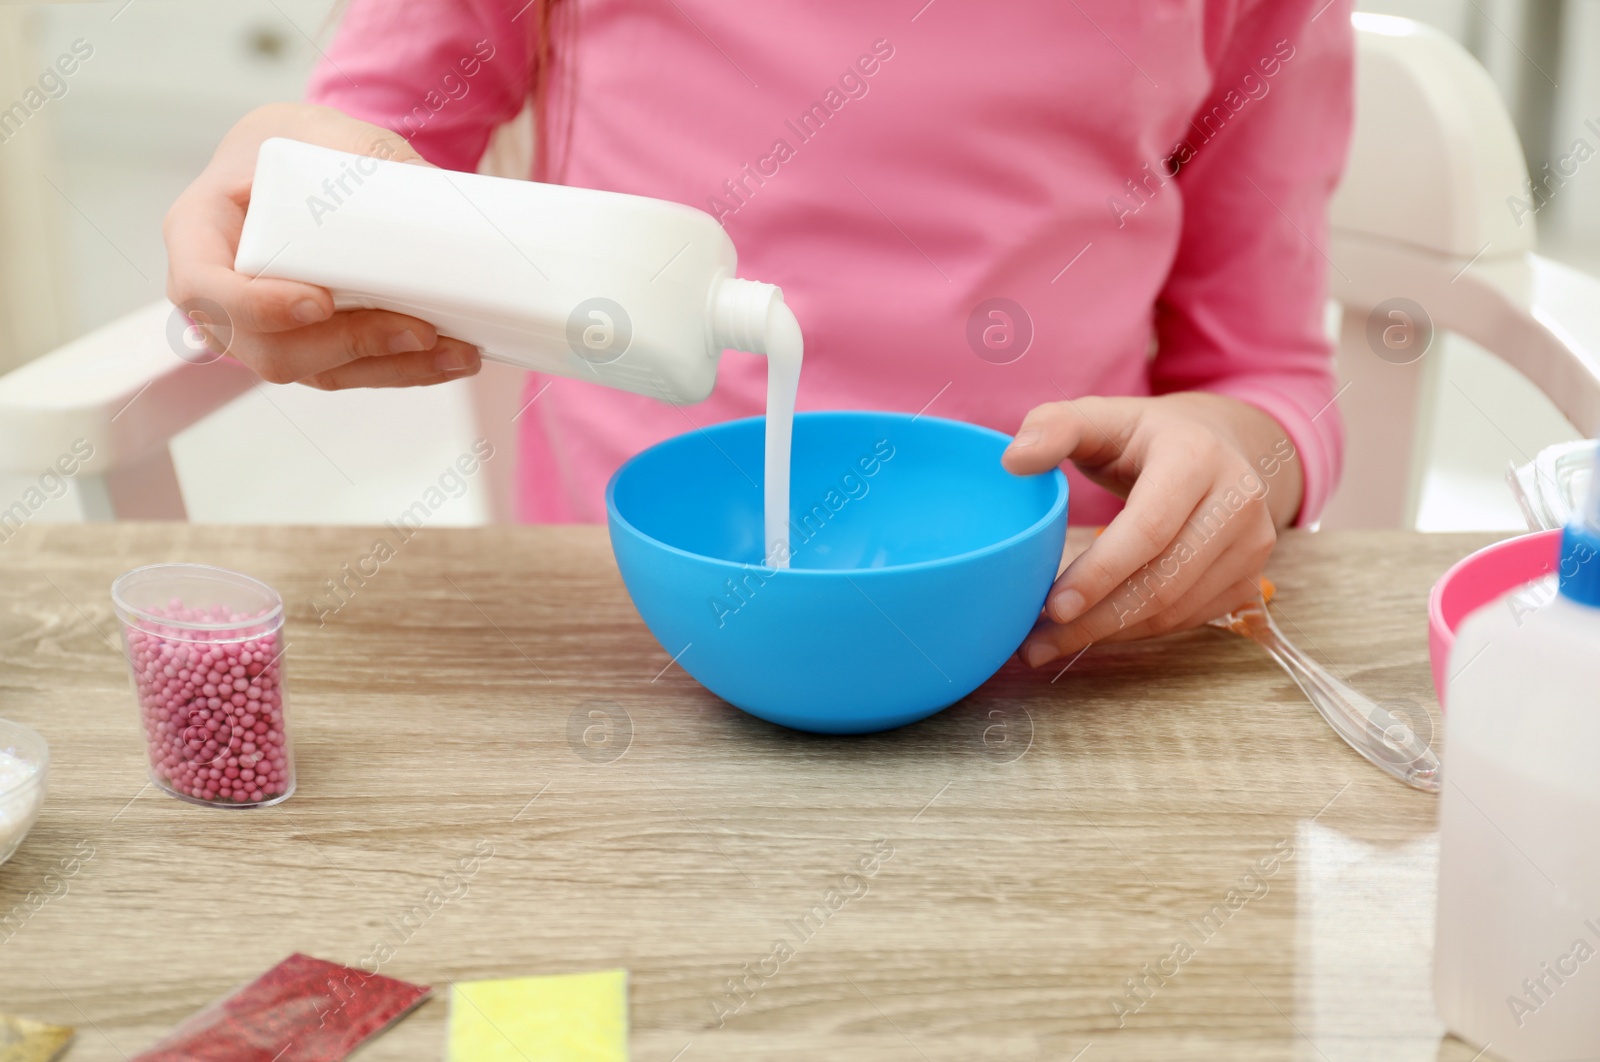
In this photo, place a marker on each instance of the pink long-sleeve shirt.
(1144, 184)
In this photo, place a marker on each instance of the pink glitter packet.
(301, 1010)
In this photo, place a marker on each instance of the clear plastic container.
(1552, 486)
(24, 770)
(205, 653)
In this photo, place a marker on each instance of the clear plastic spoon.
(1368, 727)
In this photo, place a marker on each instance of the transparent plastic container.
(1551, 487)
(24, 771)
(205, 654)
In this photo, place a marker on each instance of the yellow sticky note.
(567, 1018)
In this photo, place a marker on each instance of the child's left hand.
(1208, 482)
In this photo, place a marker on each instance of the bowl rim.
(1436, 618)
(29, 736)
(1057, 505)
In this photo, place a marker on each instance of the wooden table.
(1052, 836)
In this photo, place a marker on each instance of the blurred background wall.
(87, 176)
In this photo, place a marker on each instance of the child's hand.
(284, 330)
(1208, 480)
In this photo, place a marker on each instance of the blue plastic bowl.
(918, 564)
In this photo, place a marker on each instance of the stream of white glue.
(785, 349)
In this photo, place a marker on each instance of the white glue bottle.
(622, 290)
(1517, 950)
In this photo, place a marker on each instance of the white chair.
(1421, 215)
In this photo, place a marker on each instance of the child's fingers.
(1162, 594)
(448, 359)
(1050, 641)
(288, 357)
(1232, 580)
(1162, 500)
(263, 307)
(1091, 431)
(1235, 595)
(1241, 557)
(1146, 596)
(201, 232)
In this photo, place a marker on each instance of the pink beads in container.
(205, 651)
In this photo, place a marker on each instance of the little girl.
(1096, 222)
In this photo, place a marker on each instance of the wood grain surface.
(1038, 844)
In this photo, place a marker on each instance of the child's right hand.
(284, 330)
